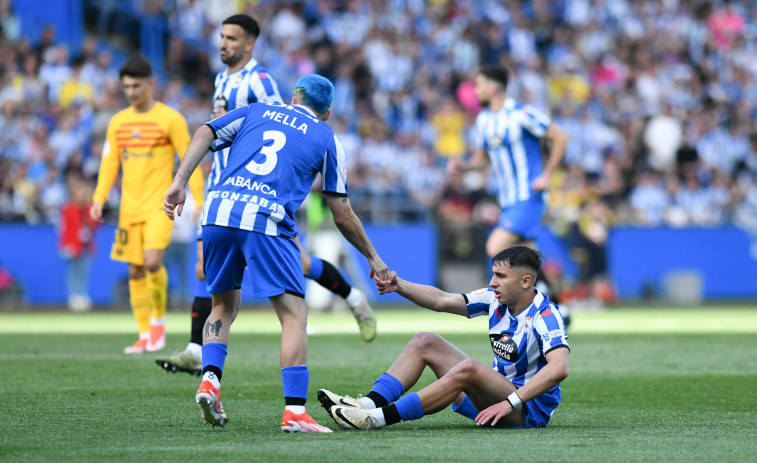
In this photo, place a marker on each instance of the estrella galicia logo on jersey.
(124, 154)
(504, 347)
(220, 102)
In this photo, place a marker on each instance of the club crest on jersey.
(135, 134)
(494, 141)
(504, 347)
(220, 102)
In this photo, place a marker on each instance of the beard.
(484, 102)
(231, 59)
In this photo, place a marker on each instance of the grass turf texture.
(645, 385)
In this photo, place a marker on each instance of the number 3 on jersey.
(270, 152)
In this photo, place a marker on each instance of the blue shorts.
(523, 218)
(535, 414)
(274, 262)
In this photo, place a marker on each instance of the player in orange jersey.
(142, 142)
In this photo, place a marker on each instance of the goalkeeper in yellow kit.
(143, 140)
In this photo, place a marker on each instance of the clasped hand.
(386, 286)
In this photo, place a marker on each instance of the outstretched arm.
(425, 296)
(176, 195)
(352, 229)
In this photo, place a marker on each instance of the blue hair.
(318, 90)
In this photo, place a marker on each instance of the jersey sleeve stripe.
(215, 135)
(332, 193)
(556, 347)
(334, 169)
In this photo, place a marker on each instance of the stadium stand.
(659, 97)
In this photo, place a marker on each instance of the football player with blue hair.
(275, 153)
(242, 82)
(316, 92)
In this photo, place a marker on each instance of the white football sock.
(367, 403)
(354, 298)
(378, 414)
(210, 376)
(195, 349)
(296, 409)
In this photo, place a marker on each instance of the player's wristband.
(514, 400)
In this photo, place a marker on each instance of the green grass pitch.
(657, 384)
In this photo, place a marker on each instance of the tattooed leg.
(225, 309)
(213, 330)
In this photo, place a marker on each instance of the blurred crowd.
(659, 98)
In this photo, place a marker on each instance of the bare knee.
(292, 313)
(136, 272)
(290, 308)
(424, 342)
(153, 263)
(492, 249)
(495, 246)
(464, 371)
(499, 240)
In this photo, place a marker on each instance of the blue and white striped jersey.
(520, 343)
(511, 139)
(251, 84)
(276, 151)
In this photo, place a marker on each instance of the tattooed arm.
(176, 195)
(352, 229)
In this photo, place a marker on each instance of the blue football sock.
(213, 354)
(295, 380)
(466, 408)
(316, 268)
(388, 387)
(409, 407)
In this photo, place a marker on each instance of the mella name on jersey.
(284, 119)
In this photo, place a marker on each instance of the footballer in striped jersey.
(276, 152)
(242, 82)
(509, 137)
(522, 387)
